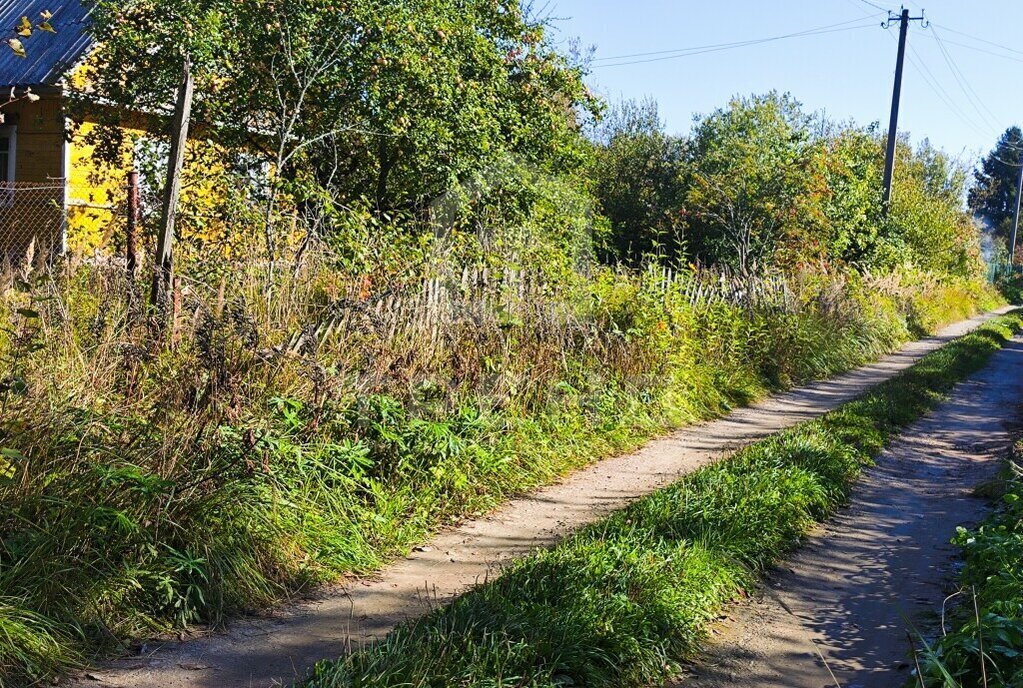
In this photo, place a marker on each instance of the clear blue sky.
(848, 73)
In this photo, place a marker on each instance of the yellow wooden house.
(51, 189)
(55, 195)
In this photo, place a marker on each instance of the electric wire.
(980, 50)
(965, 85)
(613, 58)
(934, 83)
(689, 52)
(977, 38)
(983, 126)
(877, 7)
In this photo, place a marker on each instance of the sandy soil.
(843, 607)
(278, 649)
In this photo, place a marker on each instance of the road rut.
(843, 607)
(280, 648)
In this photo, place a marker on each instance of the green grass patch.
(989, 613)
(625, 601)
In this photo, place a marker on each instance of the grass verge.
(623, 602)
(990, 614)
(151, 479)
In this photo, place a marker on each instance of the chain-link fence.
(96, 217)
(40, 220)
(1003, 271)
(33, 221)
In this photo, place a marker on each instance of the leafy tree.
(836, 216)
(382, 104)
(637, 173)
(759, 184)
(927, 227)
(747, 164)
(993, 194)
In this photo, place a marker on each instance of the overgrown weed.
(626, 601)
(280, 434)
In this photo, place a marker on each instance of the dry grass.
(281, 431)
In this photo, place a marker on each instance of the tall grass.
(624, 602)
(285, 431)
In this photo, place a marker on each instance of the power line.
(964, 84)
(979, 39)
(947, 99)
(982, 50)
(724, 45)
(700, 49)
(865, 13)
(876, 7)
(731, 46)
(934, 83)
(948, 55)
(1005, 162)
(918, 61)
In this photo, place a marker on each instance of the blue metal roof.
(49, 55)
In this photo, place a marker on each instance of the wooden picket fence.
(476, 297)
(711, 287)
(479, 298)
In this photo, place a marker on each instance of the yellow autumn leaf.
(46, 15)
(25, 27)
(46, 26)
(17, 46)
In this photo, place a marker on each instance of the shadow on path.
(883, 564)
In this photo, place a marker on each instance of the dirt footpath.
(270, 651)
(885, 564)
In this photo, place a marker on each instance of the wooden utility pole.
(1015, 215)
(893, 123)
(164, 267)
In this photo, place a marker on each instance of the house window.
(7, 151)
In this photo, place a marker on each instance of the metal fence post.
(131, 232)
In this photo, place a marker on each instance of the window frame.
(10, 132)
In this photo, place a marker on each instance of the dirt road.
(270, 651)
(885, 563)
